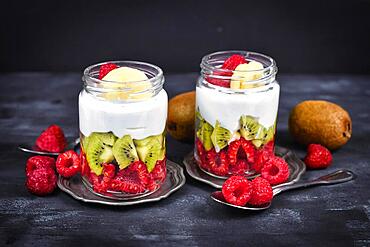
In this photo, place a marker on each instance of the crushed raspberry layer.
(133, 179)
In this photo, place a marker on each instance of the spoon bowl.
(339, 176)
(27, 148)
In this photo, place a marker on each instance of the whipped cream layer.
(138, 119)
(228, 108)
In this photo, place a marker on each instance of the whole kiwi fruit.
(181, 116)
(322, 122)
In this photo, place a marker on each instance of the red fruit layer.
(52, 140)
(233, 61)
(237, 158)
(133, 179)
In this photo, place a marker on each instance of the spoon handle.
(339, 176)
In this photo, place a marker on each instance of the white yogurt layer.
(138, 119)
(228, 108)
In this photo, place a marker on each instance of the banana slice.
(246, 72)
(133, 79)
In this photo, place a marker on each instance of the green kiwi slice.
(204, 133)
(124, 151)
(98, 153)
(220, 137)
(249, 127)
(107, 138)
(264, 136)
(150, 150)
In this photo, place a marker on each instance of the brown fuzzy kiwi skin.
(322, 122)
(181, 116)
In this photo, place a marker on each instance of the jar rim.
(211, 67)
(88, 70)
(139, 87)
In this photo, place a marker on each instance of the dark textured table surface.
(333, 215)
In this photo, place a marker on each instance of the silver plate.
(296, 168)
(175, 180)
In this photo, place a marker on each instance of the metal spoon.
(33, 150)
(339, 176)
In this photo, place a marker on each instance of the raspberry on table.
(318, 157)
(233, 61)
(237, 190)
(68, 164)
(261, 192)
(52, 140)
(42, 181)
(275, 170)
(105, 69)
(38, 162)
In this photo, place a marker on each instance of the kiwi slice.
(220, 137)
(124, 151)
(249, 127)
(143, 142)
(264, 136)
(98, 153)
(150, 150)
(204, 133)
(107, 138)
(85, 143)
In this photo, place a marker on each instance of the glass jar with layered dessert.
(122, 117)
(237, 100)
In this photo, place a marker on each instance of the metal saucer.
(175, 180)
(296, 167)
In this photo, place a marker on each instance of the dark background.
(316, 36)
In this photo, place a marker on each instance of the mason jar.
(236, 113)
(122, 127)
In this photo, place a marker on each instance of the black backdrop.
(315, 36)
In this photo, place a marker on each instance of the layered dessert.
(122, 122)
(237, 101)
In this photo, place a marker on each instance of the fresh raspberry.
(105, 69)
(42, 181)
(134, 178)
(261, 193)
(241, 150)
(239, 168)
(262, 156)
(52, 140)
(217, 162)
(68, 164)
(233, 61)
(318, 157)
(275, 170)
(218, 81)
(237, 190)
(38, 162)
(85, 169)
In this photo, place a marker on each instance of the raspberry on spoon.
(237, 190)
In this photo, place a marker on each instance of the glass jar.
(235, 128)
(122, 127)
